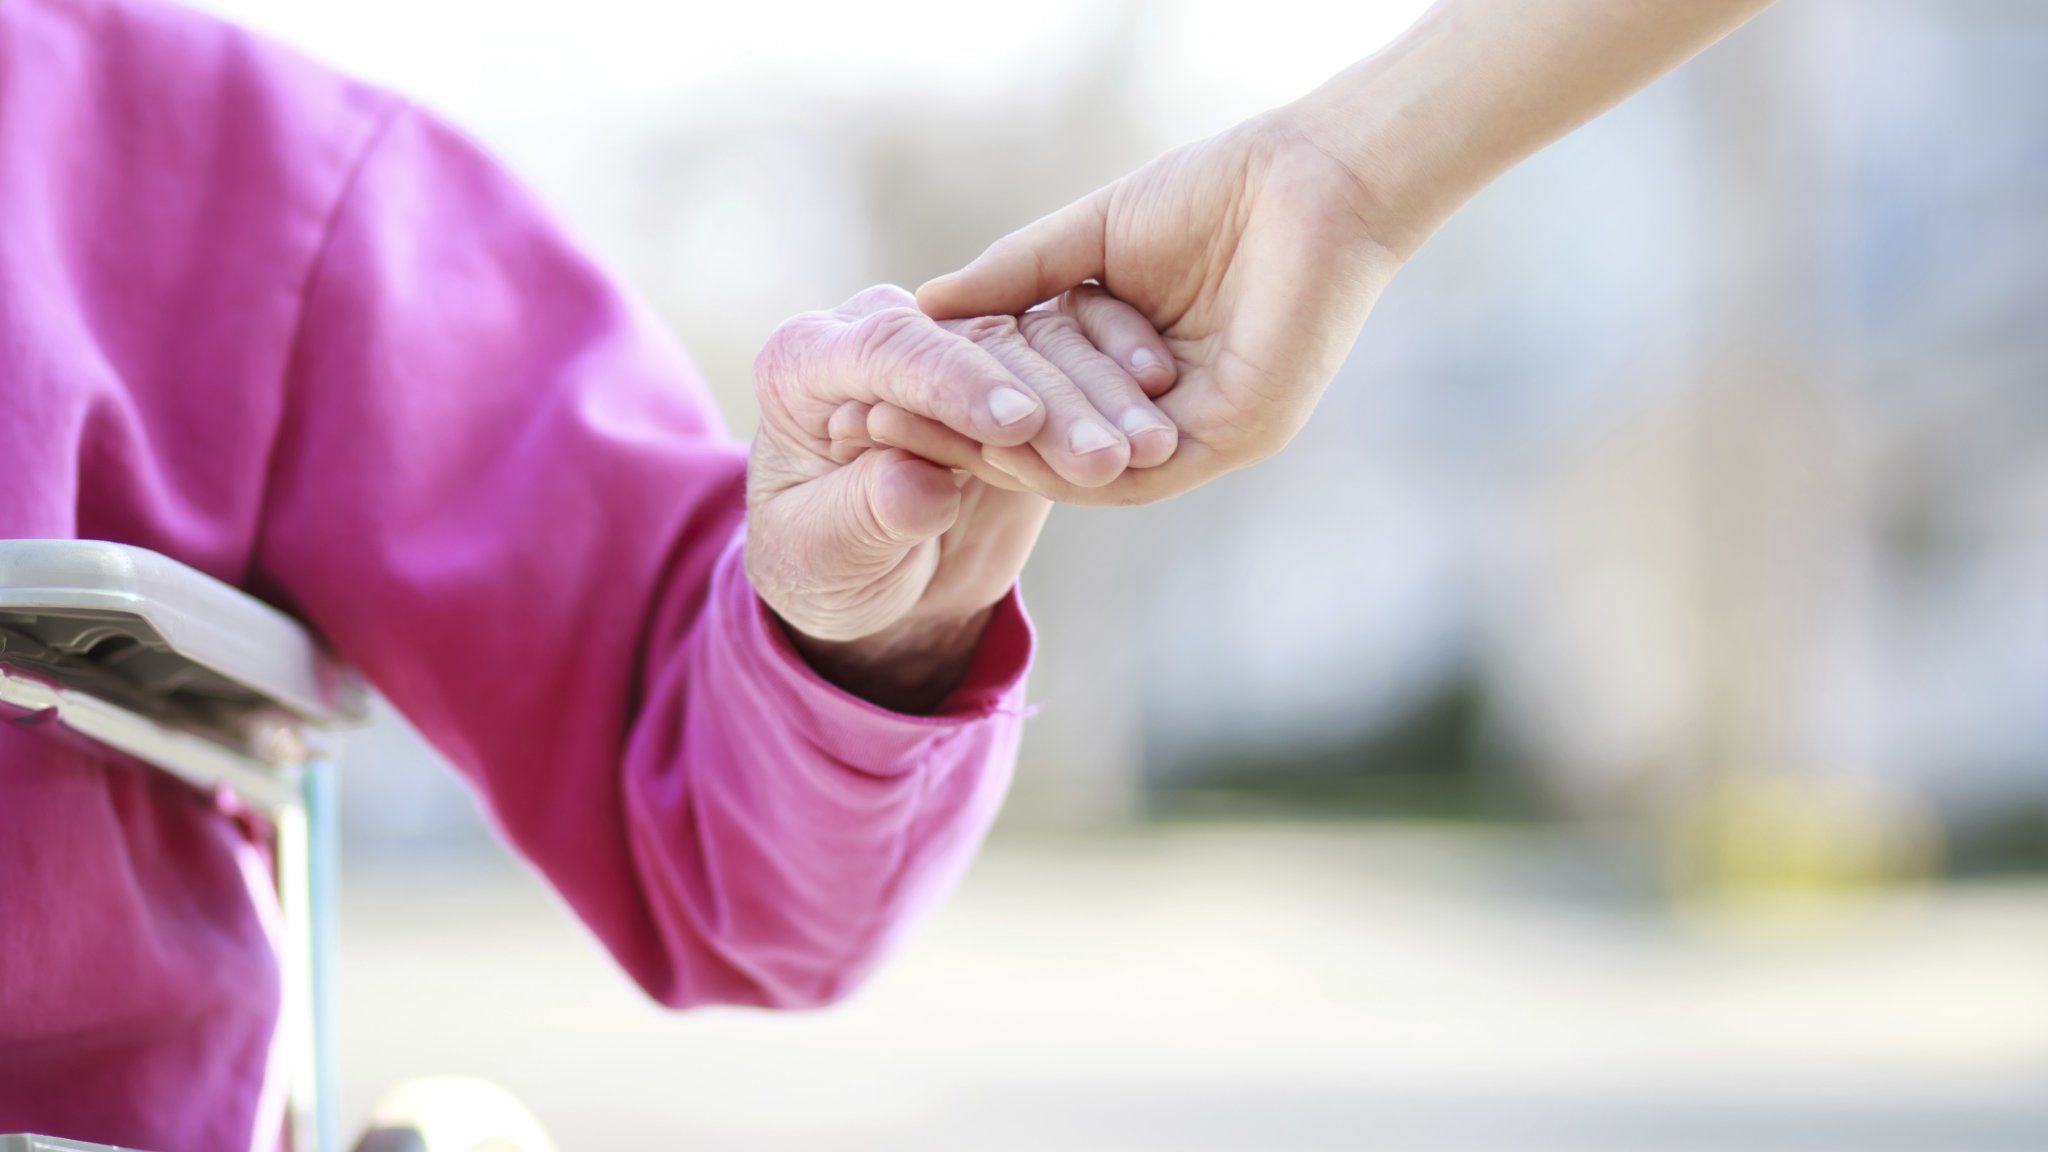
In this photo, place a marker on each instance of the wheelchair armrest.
(141, 629)
(27, 1143)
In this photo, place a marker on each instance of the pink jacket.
(295, 333)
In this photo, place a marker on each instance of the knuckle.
(776, 350)
(881, 297)
(986, 329)
(909, 356)
(787, 349)
(891, 332)
(1045, 329)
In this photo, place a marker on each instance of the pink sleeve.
(501, 491)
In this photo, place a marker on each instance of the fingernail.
(1137, 422)
(1144, 358)
(1008, 405)
(1089, 436)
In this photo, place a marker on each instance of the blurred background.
(1620, 721)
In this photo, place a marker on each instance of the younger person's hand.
(1252, 252)
(1259, 251)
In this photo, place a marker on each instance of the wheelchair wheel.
(452, 1114)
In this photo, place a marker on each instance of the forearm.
(1476, 86)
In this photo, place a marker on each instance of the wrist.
(1351, 121)
(910, 666)
(1405, 123)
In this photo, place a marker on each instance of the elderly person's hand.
(1258, 252)
(885, 566)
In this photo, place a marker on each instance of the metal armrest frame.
(127, 650)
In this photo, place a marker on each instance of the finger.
(848, 432)
(1029, 266)
(1058, 337)
(900, 355)
(1075, 440)
(1193, 462)
(1026, 469)
(908, 500)
(873, 510)
(1123, 333)
(849, 553)
(983, 564)
(892, 427)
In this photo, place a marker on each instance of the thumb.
(847, 529)
(838, 557)
(1029, 266)
(893, 501)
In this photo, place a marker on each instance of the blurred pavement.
(1245, 987)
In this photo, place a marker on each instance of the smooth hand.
(1252, 254)
(884, 566)
(1259, 252)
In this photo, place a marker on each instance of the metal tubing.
(323, 909)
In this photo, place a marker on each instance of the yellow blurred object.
(1785, 850)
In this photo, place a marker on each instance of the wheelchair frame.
(130, 651)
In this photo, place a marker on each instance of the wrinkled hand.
(885, 566)
(1250, 252)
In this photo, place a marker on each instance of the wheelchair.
(135, 652)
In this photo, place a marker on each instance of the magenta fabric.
(293, 332)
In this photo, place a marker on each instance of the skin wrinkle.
(869, 597)
(1047, 331)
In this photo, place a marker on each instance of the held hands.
(903, 466)
(1250, 252)
(884, 566)
(897, 480)
(1258, 252)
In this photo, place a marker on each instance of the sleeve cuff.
(855, 730)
